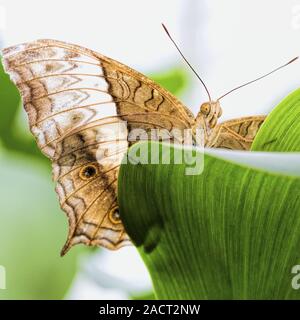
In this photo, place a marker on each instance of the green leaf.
(231, 232)
(281, 129)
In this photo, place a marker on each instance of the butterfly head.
(211, 111)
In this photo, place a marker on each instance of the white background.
(229, 42)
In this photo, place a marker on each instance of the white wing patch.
(61, 89)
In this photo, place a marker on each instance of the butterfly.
(76, 99)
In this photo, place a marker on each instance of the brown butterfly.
(76, 99)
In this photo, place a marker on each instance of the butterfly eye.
(114, 215)
(88, 172)
(205, 108)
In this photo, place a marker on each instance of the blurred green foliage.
(10, 134)
(32, 226)
(32, 232)
(174, 80)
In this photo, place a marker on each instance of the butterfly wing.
(77, 101)
(236, 134)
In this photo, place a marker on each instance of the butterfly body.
(207, 118)
(82, 107)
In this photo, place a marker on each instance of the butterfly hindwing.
(86, 166)
(236, 134)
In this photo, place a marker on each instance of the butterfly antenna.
(184, 58)
(264, 76)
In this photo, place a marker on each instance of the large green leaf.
(281, 130)
(232, 232)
